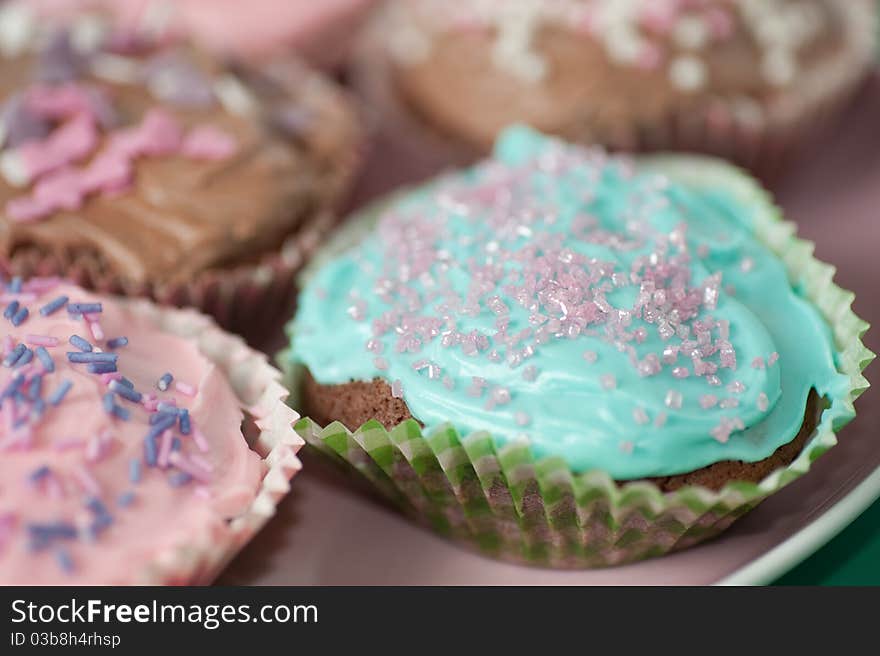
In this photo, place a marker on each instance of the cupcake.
(321, 32)
(741, 79)
(567, 358)
(139, 444)
(155, 170)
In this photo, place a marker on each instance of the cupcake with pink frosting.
(747, 80)
(319, 31)
(139, 444)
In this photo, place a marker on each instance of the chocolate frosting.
(295, 135)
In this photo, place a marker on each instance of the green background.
(852, 558)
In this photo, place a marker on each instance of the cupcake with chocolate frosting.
(746, 80)
(150, 169)
(568, 358)
(121, 431)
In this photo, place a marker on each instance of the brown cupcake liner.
(414, 149)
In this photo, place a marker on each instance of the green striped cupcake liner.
(502, 501)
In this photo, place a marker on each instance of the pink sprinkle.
(522, 418)
(713, 380)
(773, 358)
(96, 331)
(673, 399)
(165, 448)
(208, 143)
(177, 459)
(200, 440)
(185, 388)
(728, 403)
(202, 462)
(626, 446)
(375, 346)
(41, 340)
(608, 381)
(380, 363)
(530, 373)
(681, 372)
(708, 401)
(397, 389)
(758, 363)
(86, 480)
(8, 297)
(110, 377)
(762, 402)
(67, 443)
(448, 383)
(591, 356)
(660, 420)
(736, 387)
(71, 142)
(203, 492)
(640, 416)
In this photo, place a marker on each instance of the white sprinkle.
(397, 389)
(762, 402)
(688, 73)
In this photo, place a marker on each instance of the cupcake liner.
(505, 503)
(719, 127)
(268, 418)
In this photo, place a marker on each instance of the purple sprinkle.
(35, 387)
(53, 306)
(101, 368)
(134, 470)
(85, 308)
(164, 382)
(125, 499)
(39, 474)
(117, 342)
(60, 392)
(80, 343)
(80, 357)
(25, 358)
(150, 450)
(65, 562)
(20, 316)
(185, 423)
(20, 124)
(45, 359)
(15, 285)
(125, 381)
(10, 310)
(121, 413)
(179, 478)
(162, 424)
(14, 355)
(108, 402)
(125, 391)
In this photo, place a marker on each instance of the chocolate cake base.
(355, 403)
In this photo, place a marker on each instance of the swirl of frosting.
(600, 310)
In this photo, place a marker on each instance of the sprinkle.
(25, 358)
(53, 306)
(125, 499)
(85, 308)
(162, 423)
(134, 470)
(762, 402)
(164, 449)
(736, 387)
(150, 450)
(60, 392)
(101, 367)
(185, 388)
(10, 310)
(200, 440)
(673, 399)
(86, 480)
(591, 356)
(608, 381)
(125, 391)
(681, 372)
(80, 357)
(660, 420)
(640, 416)
(80, 343)
(185, 423)
(188, 466)
(626, 446)
(14, 355)
(65, 562)
(772, 359)
(397, 389)
(522, 418)
(179, 478)
(758, 363)
(708, 401)
(108, 402)
(163, 382)
(117, 342)
(530, 373)
(45, 359)
(20, 316)
(96, 330)
(39, 474)
(41, 340)
(728, 403)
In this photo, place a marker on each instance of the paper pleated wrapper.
(268, 419)
(504, 502)
(765, 144)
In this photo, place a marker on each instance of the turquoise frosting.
(583, 397)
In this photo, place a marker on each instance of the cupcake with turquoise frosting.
(567, 358)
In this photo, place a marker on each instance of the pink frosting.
(321, 30)
(89, 452)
